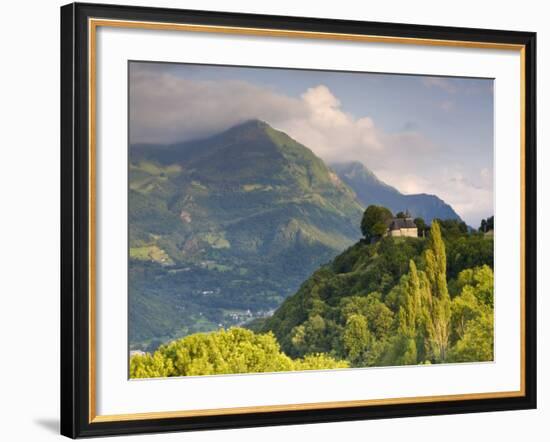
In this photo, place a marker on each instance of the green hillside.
(222, 230)
(394, 302)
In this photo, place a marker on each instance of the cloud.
(166, 108)
(470, 196)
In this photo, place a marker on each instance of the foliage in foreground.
(232, 351)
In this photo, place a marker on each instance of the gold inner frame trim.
(93, 24)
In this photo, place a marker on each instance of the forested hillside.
(394, 301)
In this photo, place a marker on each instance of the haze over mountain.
(370, 190)
(223, 229)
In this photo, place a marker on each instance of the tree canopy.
(232, 351)
(375, 221)
(421, 225)
(487, 224)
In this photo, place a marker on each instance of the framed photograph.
(279, 220)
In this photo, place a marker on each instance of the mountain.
(371, 190)
(223, 229)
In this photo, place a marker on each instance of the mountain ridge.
(371, 190)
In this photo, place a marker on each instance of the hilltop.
(380, 303)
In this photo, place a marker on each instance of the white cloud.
(166, 108)
(338, 136)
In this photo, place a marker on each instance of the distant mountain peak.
(371, 190)
(254, 124)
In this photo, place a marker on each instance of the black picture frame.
(75, 221)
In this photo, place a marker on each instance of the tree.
(410, 308)
(483, 226)
(409, 344)
(487, 224)
(472, 316)
(375, 221)
(151, 366)
(452, 228)
(404, 351)
(468, 251)
(403, 214)
(311, 336)
(464, 308)
(480, 280)
(357, 339)
(421, 225)
(438, 316)
(319, 361)
(379, 317)
(236, 350)
(477, 343)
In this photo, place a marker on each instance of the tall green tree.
(438, 313)
(410, 343)
(410, 309)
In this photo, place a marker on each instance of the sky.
(420, 134)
